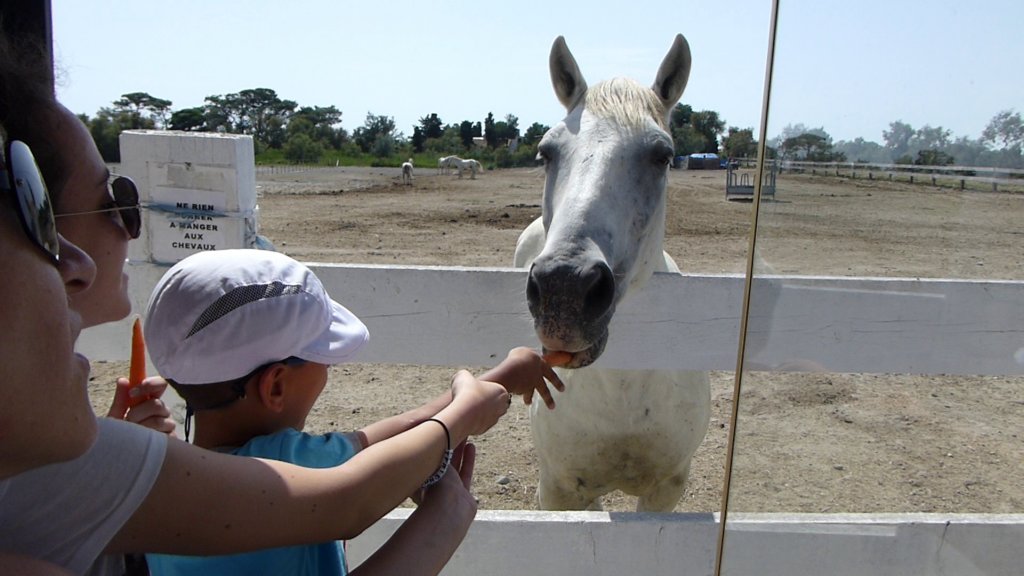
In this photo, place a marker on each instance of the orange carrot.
(137, 370)
(557, 358)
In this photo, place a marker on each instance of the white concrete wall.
(199, 190)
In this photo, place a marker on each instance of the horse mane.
(626, 102)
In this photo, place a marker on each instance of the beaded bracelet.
(445, 461)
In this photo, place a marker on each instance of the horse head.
(606, 169)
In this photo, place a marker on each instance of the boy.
(246, 338)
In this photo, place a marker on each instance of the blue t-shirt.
(326, 558)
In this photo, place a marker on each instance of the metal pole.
(738, 383)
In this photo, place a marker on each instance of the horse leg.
(664, 496)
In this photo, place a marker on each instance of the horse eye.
(544, 154)
(662, 156)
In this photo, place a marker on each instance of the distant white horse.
(599, 238)
(443, 166)
(469, 164)
(407, 172)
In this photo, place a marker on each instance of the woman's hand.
(151, 413)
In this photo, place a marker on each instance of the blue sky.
(850, 67)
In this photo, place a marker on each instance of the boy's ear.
(270, 388)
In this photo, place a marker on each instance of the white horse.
(473, 166)
(442, 165)
(407, 172)
(599, 238)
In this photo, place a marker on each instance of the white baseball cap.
(218, 315)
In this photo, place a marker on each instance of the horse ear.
(673, 73)
(565, 75)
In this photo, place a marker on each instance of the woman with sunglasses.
(100, 214)
(41, 379)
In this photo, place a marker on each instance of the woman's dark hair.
(28, 108)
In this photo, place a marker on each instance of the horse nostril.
(532, 289)
(599, 292)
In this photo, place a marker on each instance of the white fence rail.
(935, 175)
(450, 316)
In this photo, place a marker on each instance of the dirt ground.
(807, 442)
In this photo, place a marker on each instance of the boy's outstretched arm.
(524, 371)
(388, 427)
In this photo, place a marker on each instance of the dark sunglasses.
(20, 173)
(125, 202)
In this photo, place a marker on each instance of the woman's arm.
(204, 502)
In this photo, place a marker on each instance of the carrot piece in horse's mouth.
(557, 358)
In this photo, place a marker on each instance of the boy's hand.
(480, 402)
(524, 371)
(152, 413)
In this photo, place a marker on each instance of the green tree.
(687, 140)
(509, 128)
(466, 133)
(740, 143)
(384, 146)
(142, 110)
(490, 134)
(936, 138)
(418, 139)
(325, 123)
(248, 111)
(258, 106)
(301, 148)
(276, 133)
(710, 126)
(105, 131)
(375, 127)
(680, 116)
(534, 133)
(810, 147)
(1005, 131)
(933, 157)
(106, 127)
(694, 132)
(861, 150)
(188, 119)
(897, 138)
(450, 142)
(431, 126)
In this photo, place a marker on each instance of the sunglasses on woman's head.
(125, 202)
(20, 173)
